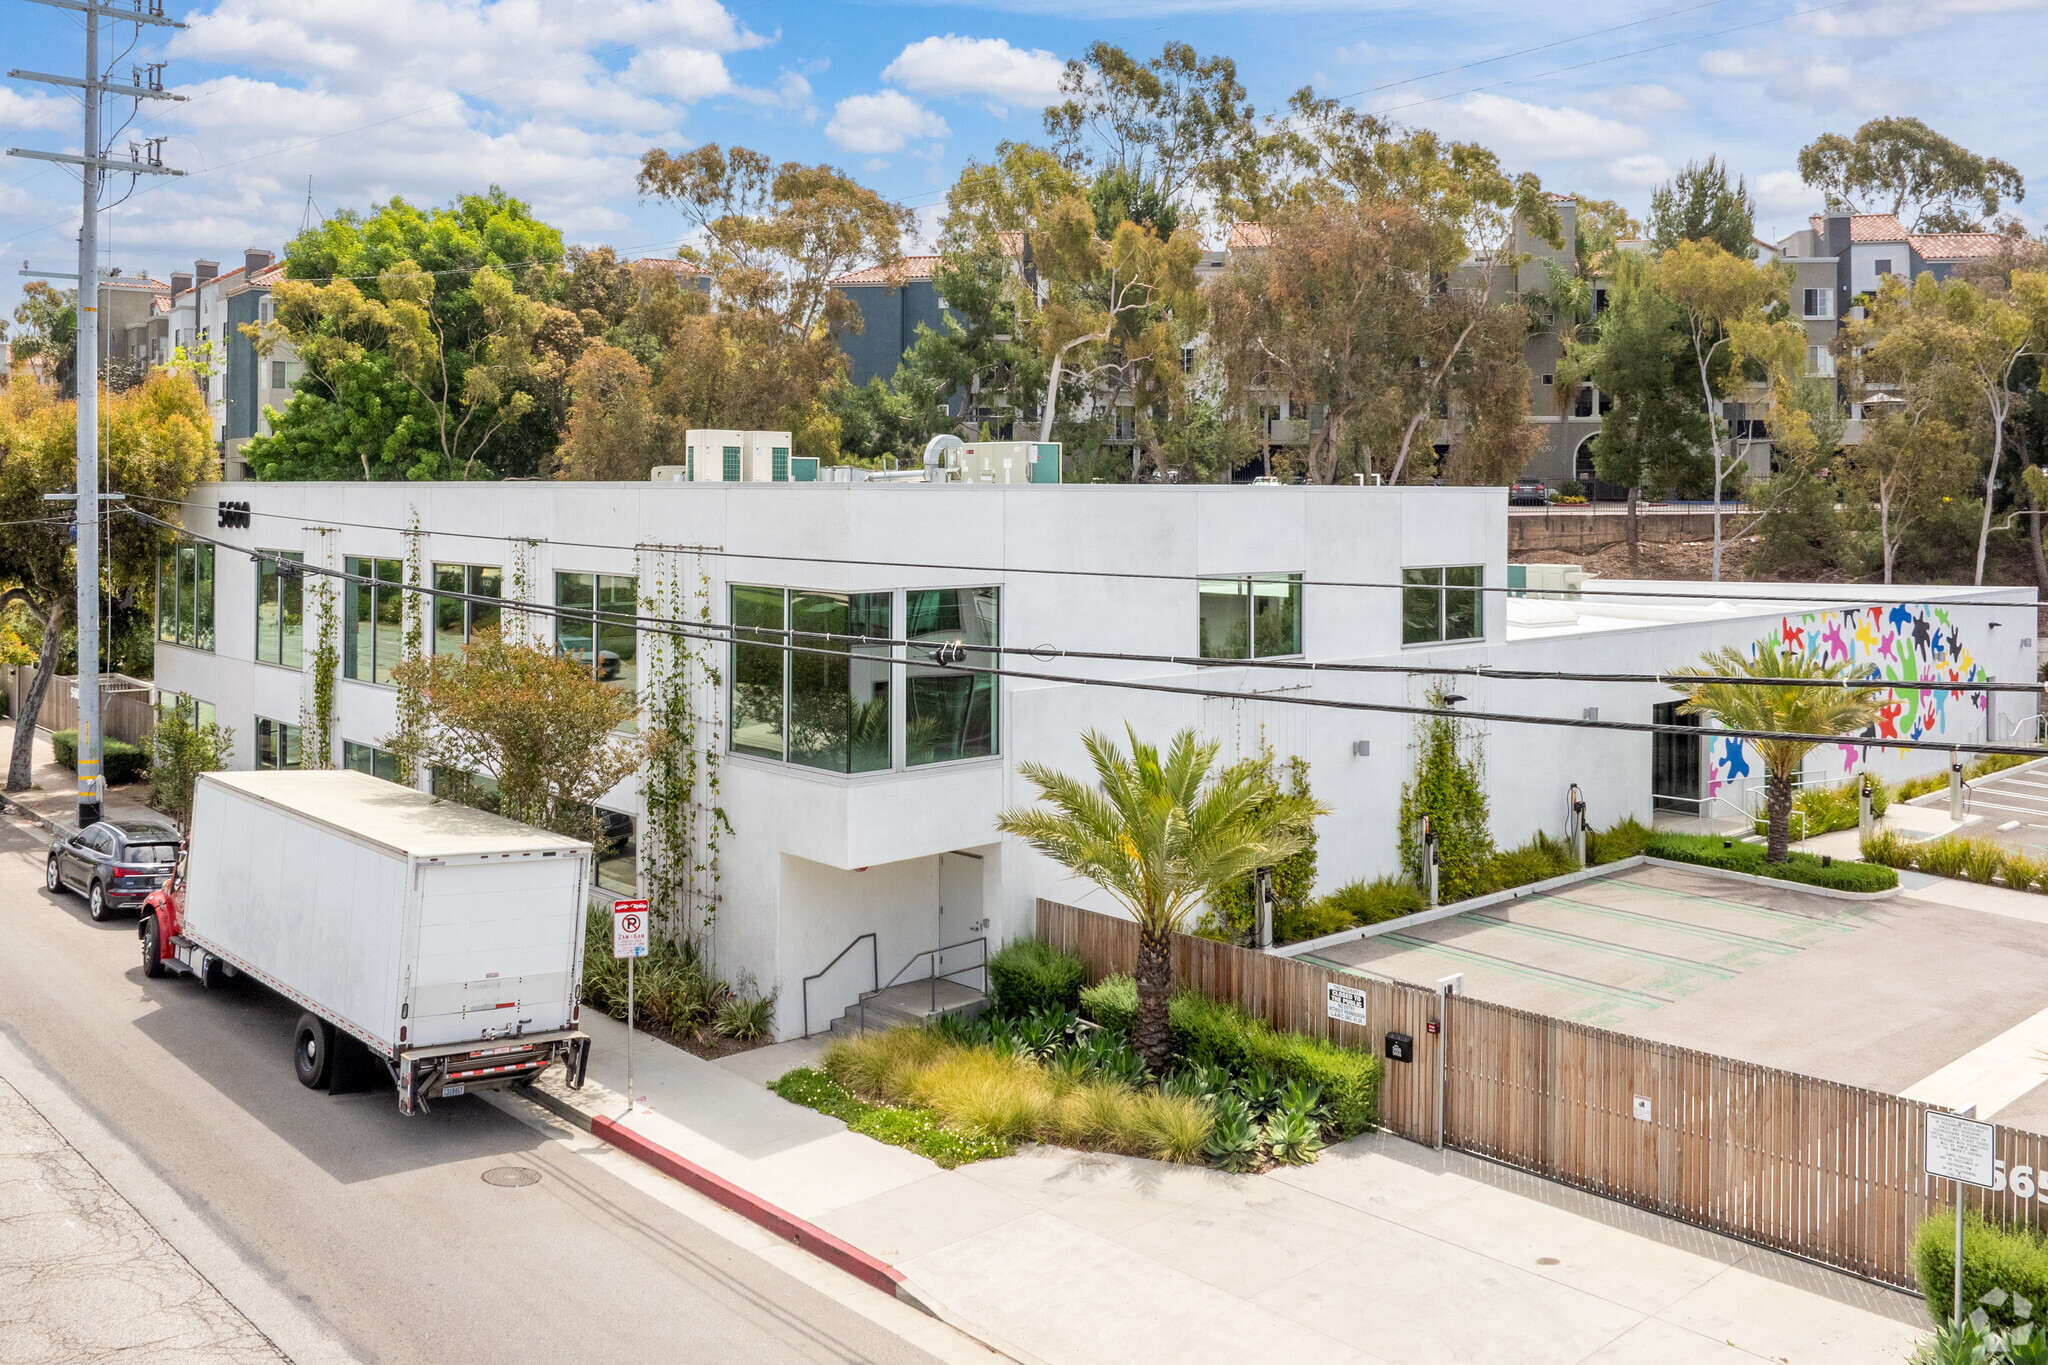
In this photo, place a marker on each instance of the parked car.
(1528, 493)
(114, 864)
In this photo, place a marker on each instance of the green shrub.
(1210, 1033)
(1713, 850)
(1317, 918)
(1029, 974)
(746, 1018)
(1938, 780)
(1888, 848)
(920, 1130)
(1382, 898)
(1827, 809)
(1622, 839)
(120, 761)
(1541, 858)
(1112, 1002)
(2014, 1259)
(1977, 860)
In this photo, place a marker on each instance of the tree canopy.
(1900, 166)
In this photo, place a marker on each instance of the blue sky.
(556, 99)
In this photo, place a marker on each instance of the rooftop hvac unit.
(1005, 462)
(1556, 581)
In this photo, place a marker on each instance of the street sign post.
(629, 940)
(1962, 1148)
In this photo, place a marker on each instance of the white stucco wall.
(817, 858)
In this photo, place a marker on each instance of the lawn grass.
(918, 1129)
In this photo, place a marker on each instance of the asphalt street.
(376, 1235)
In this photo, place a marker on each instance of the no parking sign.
(629, 928)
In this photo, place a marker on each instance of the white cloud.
(683, 74)
(1523, 133)
(1781, 194)
(1732, 63)
(1639, 172)
(882, 122)
(1641, 101)
(988, 68)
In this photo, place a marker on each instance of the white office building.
(861, 786)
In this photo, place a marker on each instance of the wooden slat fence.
(1818, 1169)
(128, 715)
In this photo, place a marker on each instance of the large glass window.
(280, 614)
(597, 623)
(368, 758)
(757, 671)
(375, 614)
(1257, 616)
(839, 701)
(947, 713)
(277, 744)
(1442, 604)
(618, 852)
(197, 713)
(184, 596)
(456, 619)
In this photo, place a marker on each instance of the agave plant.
(1261, 1091)
(1305, 1098)
(1293, 1138)
(1234, 1141)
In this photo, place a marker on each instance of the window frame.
(901, 741)
(473, 576)
(275, 738)
(191, 564)
(379, 589)
(1249, 582)
(271, 578)
(1442, 588)
(351, 748)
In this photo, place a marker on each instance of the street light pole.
(86, 511)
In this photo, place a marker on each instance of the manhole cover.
(511, 1177)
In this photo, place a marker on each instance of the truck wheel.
(96, 903)
(152, 948)
(312, 1050)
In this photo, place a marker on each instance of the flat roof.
(1546, 614)
(397, 818)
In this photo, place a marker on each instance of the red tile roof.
(905, 269)
(1959, 246)
(133, 282)
(1866, 227)
(670, 263)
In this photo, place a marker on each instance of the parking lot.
(2012, 807)
(1887, 994)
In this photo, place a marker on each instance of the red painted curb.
(785, 1225)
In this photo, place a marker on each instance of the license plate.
(448, 1090)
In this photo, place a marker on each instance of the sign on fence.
(1961, 1149)
(1346, 1004)
(629, 928)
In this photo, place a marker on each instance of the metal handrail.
(874, 948)
(933, 974)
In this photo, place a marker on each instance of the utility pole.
(94, 167)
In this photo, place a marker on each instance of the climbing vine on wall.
(412, 702)
(518, 626)
(317, 747)
(681, 691)
(1450, 788)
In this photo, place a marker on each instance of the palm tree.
(1160, 836)
(1817, 711)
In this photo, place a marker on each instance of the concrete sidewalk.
(53, 795)
(1381, 1251)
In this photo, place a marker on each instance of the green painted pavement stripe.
(1728, 936)
(1601, 945)
(1741, 908)
(1507, 968)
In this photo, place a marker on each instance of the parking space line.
(1758, 911)
(1732, 937)
(2017, 810)
(1601, 945)
(1993, 1074)
(1471, 957)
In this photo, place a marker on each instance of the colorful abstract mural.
(1917, 651)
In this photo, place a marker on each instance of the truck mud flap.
(354, 1068)
(577, 1062)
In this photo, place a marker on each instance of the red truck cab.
(160, 922)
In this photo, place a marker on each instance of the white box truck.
(445, 940)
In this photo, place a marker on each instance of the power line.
(1808, 600)
(954, 660)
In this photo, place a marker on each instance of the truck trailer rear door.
(497, 951)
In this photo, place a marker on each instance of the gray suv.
(114, 864)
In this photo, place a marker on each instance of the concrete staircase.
(910, 1003)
